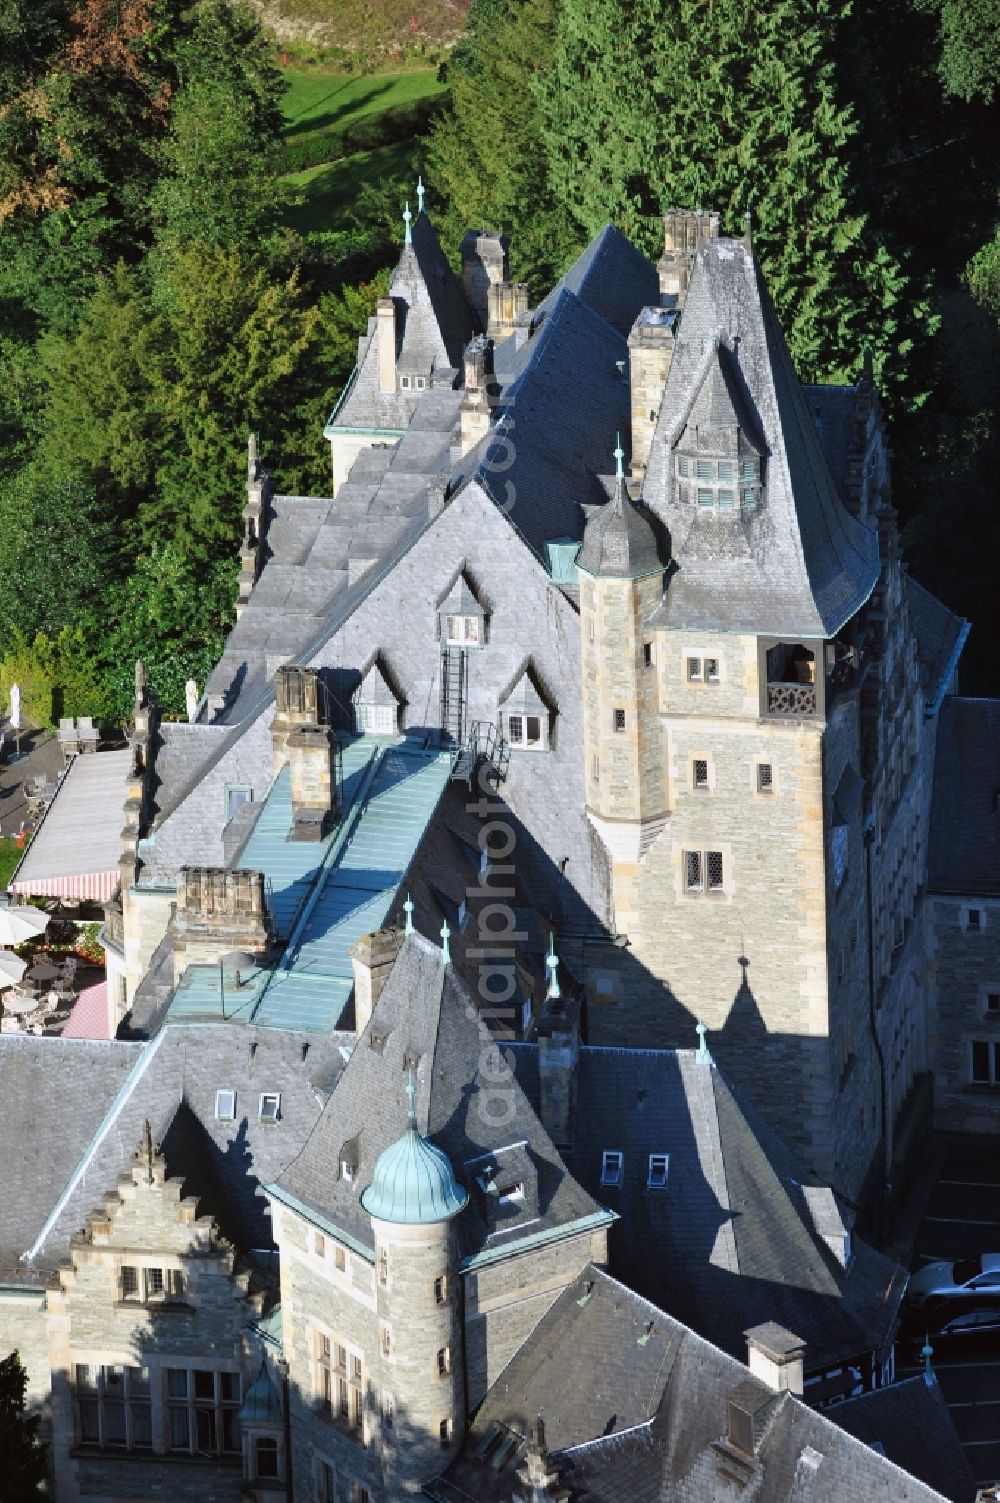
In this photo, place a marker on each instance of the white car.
(970, 1279)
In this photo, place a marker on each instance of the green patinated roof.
(414, 1183)
(327, 894)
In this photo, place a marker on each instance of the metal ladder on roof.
(454, 693)
(484, 744)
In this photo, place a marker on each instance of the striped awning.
(91, 886)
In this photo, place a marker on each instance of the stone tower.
(413, 1201)
(621, 584)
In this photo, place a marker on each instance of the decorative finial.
(421, 190)
(140, 679)
(408, 910)
(146, 1151)
(927, 1352)
(445, 936)
(748, 231)
(703, 1056)
(552, 966)
(253, 461)
(411, 1100)
(619, 457)
(407, 218)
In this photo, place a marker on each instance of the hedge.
(400, 122)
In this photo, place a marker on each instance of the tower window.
(383, 1267)
(694, 670)
(711, 670)
(713, 863)
(993, 1002)
(340, 1259)
(441, 1290)
(612, 1160)
(647, 654)
(619, 720)
(692, 871)
(444, 1361)
(704, 871)
(974, 919)
(699, 773)
(595, 767)
(765, 777)
(985, 1062)
(444, 1431)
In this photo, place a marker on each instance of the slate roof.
(798, 564)
(97, 1114)
(733, 1239)
(618, 541)
(55, 1093)
(836, 412)
(634, 1406)
(964, 852)
(910, 1420)
(940, 636)
(425, 1017)
(611, 277)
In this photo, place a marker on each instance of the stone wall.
(965, 968)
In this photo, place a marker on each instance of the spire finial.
(703, 1056)
(445, 936)
(411, 1100)
(619, 458)
(146, 1150)
(407, 218)
(927, 1352)
(552, 966)
(408, 910)
(421, 190)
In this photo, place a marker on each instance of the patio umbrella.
(12, 968)
(21, 923)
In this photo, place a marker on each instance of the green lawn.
(317, 101)
(331, 189)
(320, 103)
(10, 855)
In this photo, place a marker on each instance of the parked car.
(963, 1284)
(966, 1332)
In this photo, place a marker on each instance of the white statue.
(191, 695)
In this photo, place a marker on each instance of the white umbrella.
(191, 695)
(19, 924)
(15, 706)
(12, 968)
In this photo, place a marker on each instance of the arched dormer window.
(718, 462)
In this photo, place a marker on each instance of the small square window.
(154, 1282)
(270, 1107)
(748, 469)
(237, 794)
(682, 466)
(975, 919)
(340, 1259)
(726, 470)
(993, 1002)
(692, 871)
(619, 721)
(765, 777)
(319, 1244)
(656, 1176)
(727, 500)
(647, 654)
(404, 382)
(706, 498)
(515, 729)
(705, 470)
(694, 670)
(612, 1160)
(699, 773)
(225, 1106)
(713, 863)
(443, 1361)
(129, 1282)
(441, 1290)
(748, 500)
(711, 670)
(981, 1059)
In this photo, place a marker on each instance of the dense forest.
(156, 303)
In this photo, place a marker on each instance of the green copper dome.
(413, 1183)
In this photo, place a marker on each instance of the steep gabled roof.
(611, 277)
(964, 854)
(797, 565)
(426, 1019)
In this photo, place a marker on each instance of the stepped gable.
(171, 1082)
(426, 1020)
(797, 564)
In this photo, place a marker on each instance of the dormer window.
(612, 1160)
(462, 631)
(270, 1107)
(526, 714)
(723, 485)
(656, 1176)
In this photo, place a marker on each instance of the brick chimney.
(218, 910)
(775, 1356)
(484, 263)
(372, 957)
(684, 230)
(481, 392)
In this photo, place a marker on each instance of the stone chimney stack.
(684, 230)
(506, 308)
(650, 352)
(558, 1032)
(481, 392)
(385, 333)
(484, 264)
(218, 910)
(297, 696)
(260, 489)
(776, 1357)
(372, 957)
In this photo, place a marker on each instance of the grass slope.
(331, 190)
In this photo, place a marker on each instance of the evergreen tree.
(969, 63)
(732, 106)
(22, 1458)
(484, 154)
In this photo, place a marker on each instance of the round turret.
(413, 1184)
(619, 542)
